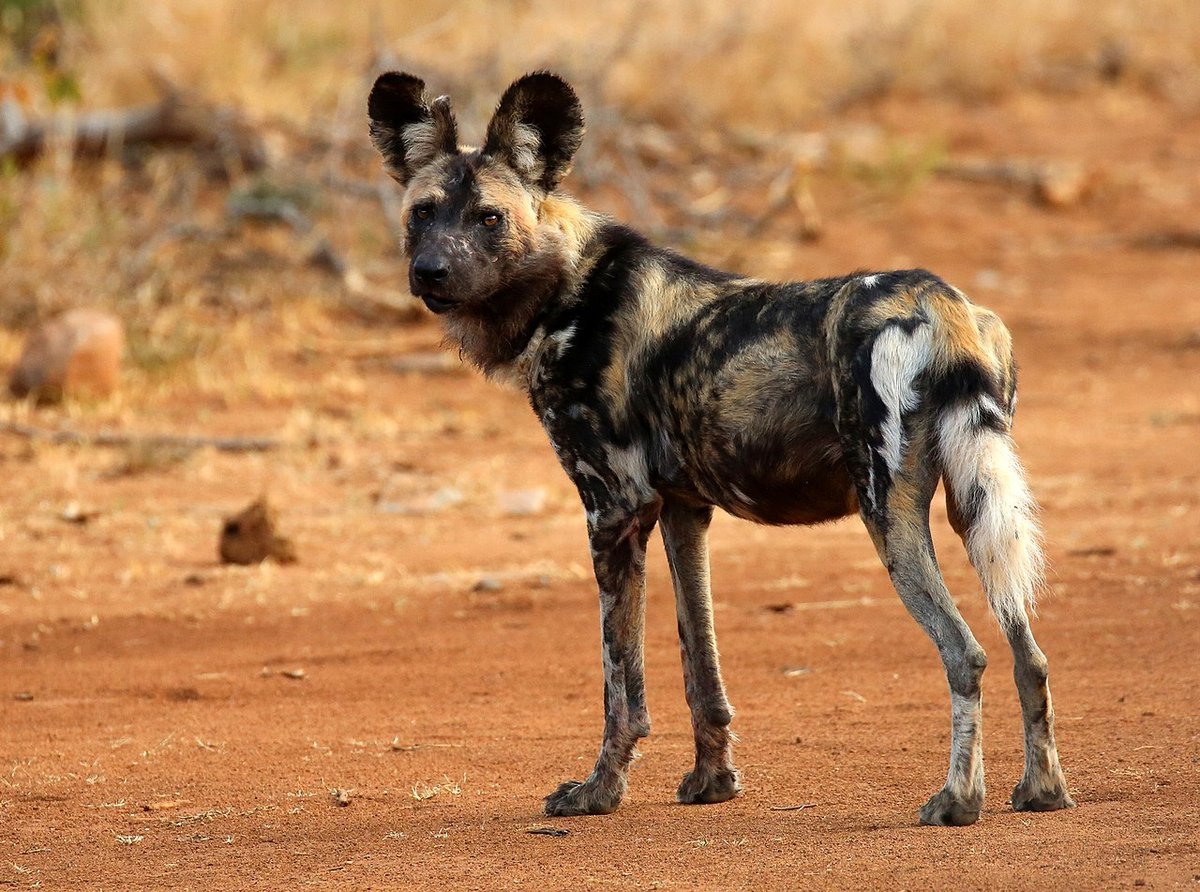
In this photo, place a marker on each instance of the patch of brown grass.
(762, 64)
(149, 236)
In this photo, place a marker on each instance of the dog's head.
(471, 216)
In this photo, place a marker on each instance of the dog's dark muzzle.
(429, 278)
(438, 305)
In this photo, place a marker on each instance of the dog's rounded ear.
(408, 130)
(537, 129)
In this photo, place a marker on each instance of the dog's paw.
(944, 809)
(575, 798)
(1042, 796)
(706, 787)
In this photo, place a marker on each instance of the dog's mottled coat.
(669, 389)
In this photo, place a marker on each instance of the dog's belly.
(795, 477)
(777, 487)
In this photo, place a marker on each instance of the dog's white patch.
(524, 144)
(561, 339)
(420, 144)
(741, 495)
(584, 469)
(896, 360)
(966, 754)
(870, 281)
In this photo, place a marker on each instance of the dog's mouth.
(438, 305)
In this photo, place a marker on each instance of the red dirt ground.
(149, 740)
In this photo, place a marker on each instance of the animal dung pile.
(77, 354)
(251, 536)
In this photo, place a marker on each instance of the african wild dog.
(668, 389)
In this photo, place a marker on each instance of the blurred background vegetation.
(735, 131)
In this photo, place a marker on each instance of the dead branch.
(374, 302)
(1166, 239)
(177, 118)
(1055, 183)
(367, 300)
(118, 438)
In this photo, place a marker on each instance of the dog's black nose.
(430, 271)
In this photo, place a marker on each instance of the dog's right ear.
(409, 131)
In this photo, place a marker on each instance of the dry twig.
(118, 438)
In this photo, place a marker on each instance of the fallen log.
(178, 118)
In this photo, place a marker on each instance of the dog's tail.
(974, 393)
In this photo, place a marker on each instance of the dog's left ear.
(537, 129)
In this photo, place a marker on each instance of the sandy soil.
(152, 734)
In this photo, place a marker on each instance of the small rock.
(164, 804)
(522, 502)
(1062, 184)
(433, 503)
(23, 696)
(75, 354)
(989, 279)
(488, 584)
(796, 671)
(74, 514)
(297, 674)
(341, 798)
(250, 537)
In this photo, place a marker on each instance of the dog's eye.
(490, 220)
(423, 212)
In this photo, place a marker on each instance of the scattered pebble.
(796, 671)
(23, 696)
(1063, 183)
(341, 798)
(294, 673)
(989, 279)
(74, 514)
(488, 584)
(543, 830)
(433, 503)
(164, 804)
(522, 502)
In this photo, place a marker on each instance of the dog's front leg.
(618, 541)
(685, 534)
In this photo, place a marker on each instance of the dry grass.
(149, 235)
(761, 64)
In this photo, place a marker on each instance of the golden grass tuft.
(760, 64)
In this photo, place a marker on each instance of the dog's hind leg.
(888, 442)
(991, 509)
(618, 540)
(685, 535)
(900, 531)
